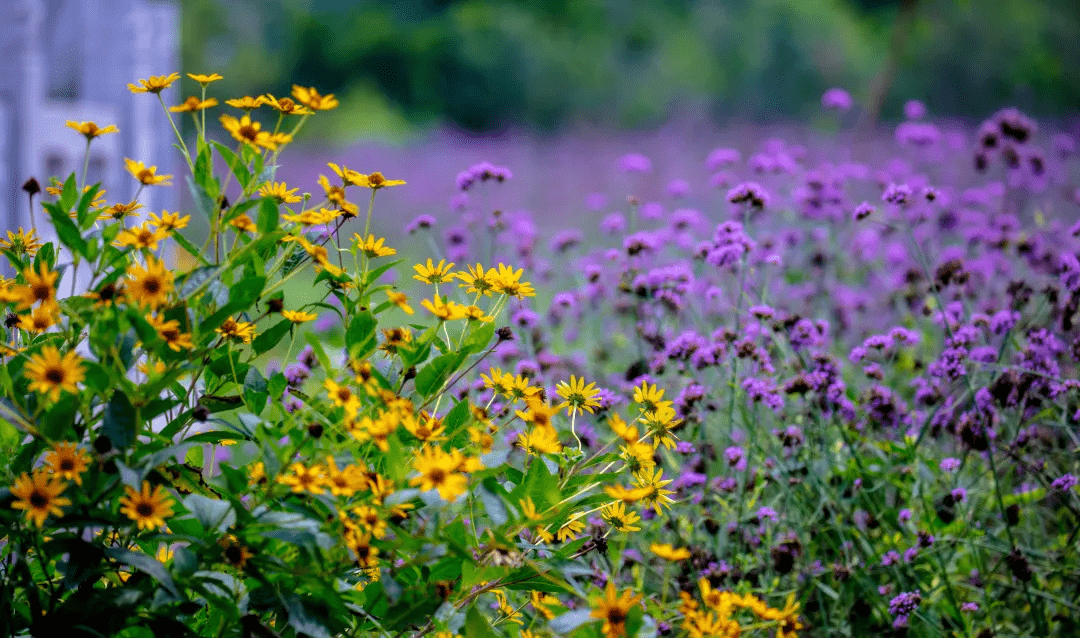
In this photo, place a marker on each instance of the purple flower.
(750, 193)
(905, 603)
(890, 558)
(721, 158)
(635, 163)
(914, 110)
(949, 464)
(836, 99)
(422, 222)
(1065, 482)
(898, 194)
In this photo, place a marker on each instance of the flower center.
(55, 375)
(39, 500)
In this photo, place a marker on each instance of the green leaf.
(494, 506)
(206, 204)
(360, 335)
(271, 337)
(568, 622)
(204, 173)
(316, 347)
(430, 378)
(85, 219)
(60, 419)
(214, 515)
(479, 337)
(69, 194)
(119, 423)
(268, 215)
(189, 247)
(146, 564)
(457, 416)
(476, 625)
(235, 164)
(66, 230)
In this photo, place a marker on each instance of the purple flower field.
(871, 342)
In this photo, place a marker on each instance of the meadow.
(804, 382)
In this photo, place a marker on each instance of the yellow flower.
(619, 519)
(541, 603)
(371, 520)
(248, 132)
(649, 397)
(667, 552)
(40, 287)
(193, 104)
(311, 479)
(144, 237)
(169, 221)
(613, 609)
(570, 529)
(243, 223)
(155, 83)
(343, 397)
(660, 423)
(401, 300)
(508, 282)
(537, 412)
(297, 316)
(247, 103)
(119, 211)
(540, 440)
(205, 79)
(528, 509)
(425, 428)
(638, 456)
(439, 471)
(578, 396)
(375, 181)
(50, 374)
(314, 217)
(39, 496)
(40, 320)
(67, 461)
(151, 285)
(170, 333)
(434, 274)
(373, 247)
(476, 281)
(241, 331)
(444, 310)
(147, 508)
(626, 432)
(656, 497)
(620, 493)
(286, 106)
(146, 176)
(394, 339)
(234, 552)
(343, 482)
(310, 98)
(22, 242)
(281, 193)
(90, 130)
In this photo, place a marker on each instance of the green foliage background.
(490, 64)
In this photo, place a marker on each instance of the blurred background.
(491, 65)
(557, 90)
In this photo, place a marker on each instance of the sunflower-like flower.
(38, 495)
(286, 106)
(22, 242)
(540, 440)
(149, 286)
(51, 374)
(205, 79)
(619, 519)
(40, 287)
(280, 192)
(614, 609)
(39, 320)
(508, 282)
(476, 281)
(170, 333)
(444, 310)
(119, 210)
(311, 98)
(667, 552)
(147, 176)
(577, 396)
(656, 496)
(650, 397)
(148, 508)
(154, 84)
(144, 237)
(434, 274)
(90, 130)
(247, 103)
(193, 104)
(169, 221)
(373, 247)
(250, 132)
(67, 461)
(299, 316)
(570, 529)
(439, 471)
(243, 223)
(314, 217)
(302, 478)
(242, 331)
(401, 300)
